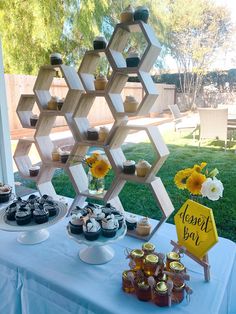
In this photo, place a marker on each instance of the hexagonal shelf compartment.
(144, 104)
(83, 123)
(118, 157)
(26, 110)
(44, 81)
(90, 67)
(119, 41)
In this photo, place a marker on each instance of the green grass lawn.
(184, 152)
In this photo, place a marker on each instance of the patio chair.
(213, 124)
(183, 122)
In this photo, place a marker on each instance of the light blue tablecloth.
(49, 278)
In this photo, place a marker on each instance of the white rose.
(212, 188)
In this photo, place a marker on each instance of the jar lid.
(177, 267)
(161, 287)
(143, 284)
(173, 255)
(148, 246)
(179, 287)
(137, 253)
(151, 258)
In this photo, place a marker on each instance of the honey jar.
(127, 284)
(160, 294)
(178, 293)
(143, 290)
(177, 268)
(150, 264)
(148, 248)
(137, 256)
(171, 257)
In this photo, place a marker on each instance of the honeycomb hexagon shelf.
(78, 102)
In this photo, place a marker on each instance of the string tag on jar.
(130, 277)
(189, 291)
(170, 286)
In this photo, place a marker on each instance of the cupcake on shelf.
(99, 42)
(55, 58)
(60, 103)
(103, 133)
(142, 168)
(127, 15)
(5, 192)
(40, 215)
(91, 229)
(56, 154)
(129, 167)
(92, 134)
(34, 119)
(130, 104)
(131, 221)
(133, 59)
(143, 227)
(141, 13)
(109, 226)
(34, 171)
(64, 155)
(100, 82)
(52, 103)
(76, 223)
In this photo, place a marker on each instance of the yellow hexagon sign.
(196, 229)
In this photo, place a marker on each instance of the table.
(49, 278)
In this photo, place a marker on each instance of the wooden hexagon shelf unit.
(25, 109)
(44, 81)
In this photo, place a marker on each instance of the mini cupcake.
(40, 215)
(130, 104)
(143, 227)
(23, 217)
(127, 15)
(91, 229)
(52, 104)
(5, 193)
(103, 133)
(109, 226)
(34, 171)
(60, 103)
(55, 58)
(100, 82)
(51, 208)
(129, 167)
(92, 134)
(97, 214)
(45, 198)
(34, 119)
(120, 218)
(141, 13)
(133, 59)
(64, 155)
(76, 224)
(55, 154)
(131, 221)
(108, 209)
(11, 211)
(99, 42)
(142, 168)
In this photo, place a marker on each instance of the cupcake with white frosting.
(34, 171)
(91, 229)
(143, 227)
(127, 15)
(103, 133)
(99, 42)
(109, 226)
(129, 166)
(131, 221)
(142, 168)
(76, 223)
(130, 104)
(100, 82)
(133, 59)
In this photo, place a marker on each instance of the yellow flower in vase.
(181, 178)
(100, 168)
(194, 182)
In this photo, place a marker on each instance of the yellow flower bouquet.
(199, 182)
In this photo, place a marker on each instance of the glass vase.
(95, 185)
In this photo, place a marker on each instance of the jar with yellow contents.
(137, 256)
(143, 290)
(171, 257)
(150, 263)
(127, 281)
(178, 293)
(148, 248)
(160, 294)
(177, 268)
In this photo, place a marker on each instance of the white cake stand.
(32, 233)
(97, 252)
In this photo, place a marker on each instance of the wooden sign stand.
(204, 262)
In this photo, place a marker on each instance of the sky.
(221, 62)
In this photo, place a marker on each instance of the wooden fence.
(100, 113)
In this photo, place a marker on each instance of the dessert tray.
(32, 233)
(97, 252)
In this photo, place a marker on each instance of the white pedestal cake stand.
(32, 233)
(97, 252)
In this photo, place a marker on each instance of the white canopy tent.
(6, 167)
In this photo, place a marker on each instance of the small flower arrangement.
(99, 166)
(198, 181)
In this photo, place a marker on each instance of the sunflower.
(198, 168)
(99, 169)
(181, 178)
(91, 160)
(194, 182)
